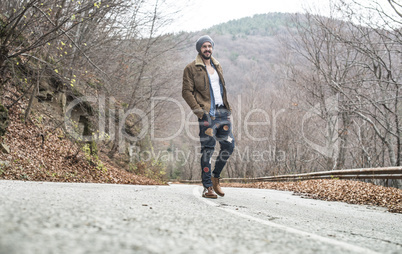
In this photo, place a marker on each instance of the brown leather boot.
(217, 187)
(209, 193)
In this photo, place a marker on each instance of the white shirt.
(216, 88)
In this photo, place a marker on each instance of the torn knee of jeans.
(209, 132)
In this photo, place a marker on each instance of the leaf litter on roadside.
(349, 191)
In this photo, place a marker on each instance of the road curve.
(37, 217)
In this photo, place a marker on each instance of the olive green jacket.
(196, 86)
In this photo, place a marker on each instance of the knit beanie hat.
(202, 40)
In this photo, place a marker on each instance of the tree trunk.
(33, 94)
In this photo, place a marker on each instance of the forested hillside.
(270, 24)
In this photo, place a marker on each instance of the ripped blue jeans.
(212, 129)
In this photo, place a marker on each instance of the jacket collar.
(198, 61)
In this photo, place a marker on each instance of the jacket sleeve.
(188, 92)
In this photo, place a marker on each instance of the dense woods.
(309, 92)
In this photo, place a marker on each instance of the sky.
(196, 15)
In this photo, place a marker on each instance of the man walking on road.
(204, 90)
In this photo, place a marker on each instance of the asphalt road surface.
(38, 217)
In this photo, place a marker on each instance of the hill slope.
(40, 151)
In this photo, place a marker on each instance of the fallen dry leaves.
(352, 192)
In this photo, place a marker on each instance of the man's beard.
(206, 57)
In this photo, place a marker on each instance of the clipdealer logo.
(147, 122)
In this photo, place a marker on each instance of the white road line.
(350, 247)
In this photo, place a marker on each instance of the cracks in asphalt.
(236, 207)
(373, 238)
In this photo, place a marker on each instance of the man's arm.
(188, 93)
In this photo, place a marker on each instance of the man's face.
(206, 50)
